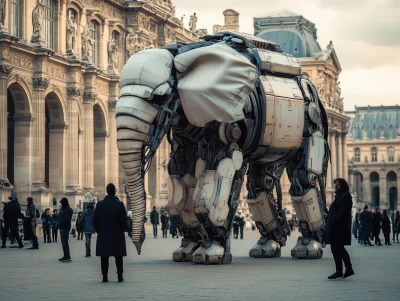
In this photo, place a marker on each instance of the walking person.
(64, 224)
(366, 225)
(355, 225)
(129, 224)
(78, 226)
(386, 227)
(154, 219)
(12, 212)
(164, 224)
(31, 214)
(241, 223)
(54, 223)
(397, 225)
(376, 226)
(87, 228)
(46, 225)
(173, 231)
(338, 229)
(109, 221)
(236, 226)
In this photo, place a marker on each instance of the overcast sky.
(365, 34)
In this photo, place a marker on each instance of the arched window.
(15, 17)
(48, 22)
(357, 154)
(94, 34)
(390, 154)
(374, 154)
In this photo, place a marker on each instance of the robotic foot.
(185, 251)
(211, 253)
(307, 248)
(265, 248)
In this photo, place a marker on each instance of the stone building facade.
(298, 37)
(373, 145)
(59, 84)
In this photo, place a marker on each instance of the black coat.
(376, 223)
(338, 226)
(386, 224)
(109, 221)
(12, 212)
(154, 217)
(366, 222)
(65, 218)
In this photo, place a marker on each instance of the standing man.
(109, 221)
(154, 219)
(366, 225)
(54, 223)
(64, 224)
(12, 212)
(338, 228)
(46, 225)
(31, 217)
(376, 226)
(241, 223)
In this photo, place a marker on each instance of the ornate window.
(390, 154)
(48, 22)
(374, 154)
(357, 154)
(94, 35)
(15, 17)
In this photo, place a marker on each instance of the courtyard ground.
(153, 276)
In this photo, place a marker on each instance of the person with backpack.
(64, 224)
(86, 226)
(32, 213)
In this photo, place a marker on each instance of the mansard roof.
(375, 122)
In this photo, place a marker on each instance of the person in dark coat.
(241, 223)
(64, 224)
(78, 226)
(376, 226)
(386, 227)
(109, 221)
(338, 228)
(46, 226)
(54, 223)
(12, 212)
(31, 217)
(86, 226)
(355, 225)
(236, 226)
(366, 225)
(154, 219)
(397, 225)
(164, 224)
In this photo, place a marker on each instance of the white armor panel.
(213, 188)
(307, 209)
(315, 153)
(279, 62)
(262, 211)
(214, 83)
(285, 116)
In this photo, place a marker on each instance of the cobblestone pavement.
(37, 275)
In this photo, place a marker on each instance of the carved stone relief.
(23, 62)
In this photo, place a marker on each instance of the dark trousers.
(88, 243)
(340, 255)
(14, 233)
(118, 262)
(165, 232)
(46, 234)
(377, 240)
(54, 234)
(366, 238)
(155, 227)
(387, 237)
(235, 230)
(80, 235)
(35, 243)
(64, 234)
(241, 231)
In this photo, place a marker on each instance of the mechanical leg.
(181, 208)
(308, 195)
(267, 212)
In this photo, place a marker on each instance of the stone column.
(333, 155)
(345, 156)
(72, 141)
(40, 85)
(383, 193)
(367, 190)
(57, 159)
(5, 71)
(340, 156)
(88, 142)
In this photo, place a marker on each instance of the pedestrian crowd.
(109, 220)
(155, 220)
(367, 226)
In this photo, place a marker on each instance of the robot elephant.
(230, 105)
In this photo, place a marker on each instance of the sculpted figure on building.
(72, 28)
(113, 54)
(193, 23)
(37, 20)
(3, 12)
